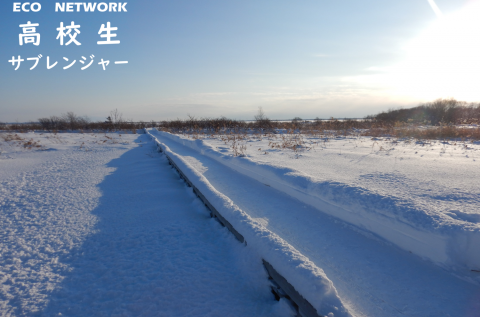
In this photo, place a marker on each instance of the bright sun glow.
(444, 61)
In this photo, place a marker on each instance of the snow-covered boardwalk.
(372, 277)
(102, 226)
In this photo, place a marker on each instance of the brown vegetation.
(438, 112)
(16, 140)
(440, 119)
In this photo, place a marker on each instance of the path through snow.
(113, 231)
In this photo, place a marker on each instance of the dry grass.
(304, 136)
(15, 140)
(427, 133)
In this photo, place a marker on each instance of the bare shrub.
(261, 120)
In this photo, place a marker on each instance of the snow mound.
(450, 244)
(309, 280)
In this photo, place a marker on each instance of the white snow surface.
(101, 225)
(397, 271)
(423, 198)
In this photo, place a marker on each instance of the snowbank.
(309, 280)
(448, 244)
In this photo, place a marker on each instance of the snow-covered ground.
(407, 243)
(422, 196)
(101, 225)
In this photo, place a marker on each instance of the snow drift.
(309, 280)
(454, 245)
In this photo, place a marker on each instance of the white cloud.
(321, 55)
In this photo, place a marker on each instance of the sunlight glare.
(444, 61)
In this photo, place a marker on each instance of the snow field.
(45, 212)
(97, 229)
(372, 277)
(426, 204)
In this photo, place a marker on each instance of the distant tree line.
(71, 121)
(261, 124)
(115, 121)
(440, 111)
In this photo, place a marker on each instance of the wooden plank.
(305, 309)
(212, 209)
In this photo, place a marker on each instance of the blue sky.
(210, 58)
